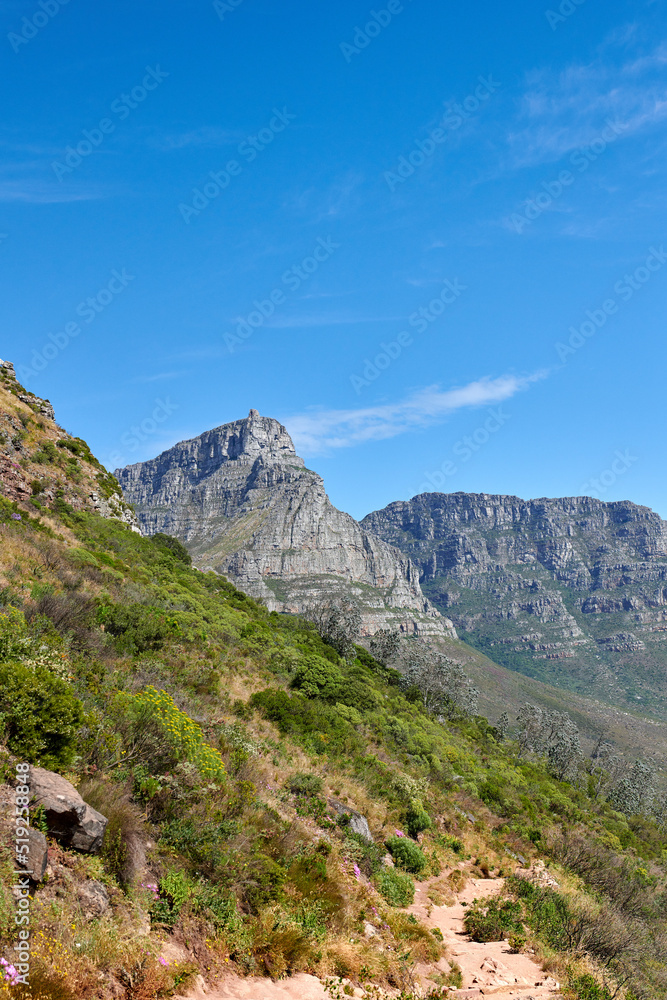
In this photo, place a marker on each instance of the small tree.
(338, 623)
(552, 735)
(384, 645)
(445, 688)
(634, 793)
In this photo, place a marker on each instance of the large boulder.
(356, 822)
(36, 859)
(69, 819)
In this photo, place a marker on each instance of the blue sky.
(428, 237)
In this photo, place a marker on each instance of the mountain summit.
(246, 506)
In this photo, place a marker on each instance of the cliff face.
(573, 591)
(244, 504)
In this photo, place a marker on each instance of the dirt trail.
(488, 969)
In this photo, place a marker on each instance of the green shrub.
(137, 627)
(315, 677)
(317, 726)
(493, 919)
(179, 733)
(416, 821)
(172, 545)
(40, 715)
(397, 888)
(305, 784)
(407, 854)
(586, 988)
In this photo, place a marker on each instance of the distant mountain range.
(572, 592)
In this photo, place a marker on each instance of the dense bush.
(172, 545)
(406, 854)
(586, 988)
(40, 715)
(315, 677)
(305, 784)
(417, 820)
(493, 919)
(136, 627)
(396, 887)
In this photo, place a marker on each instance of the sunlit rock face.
(243, 502)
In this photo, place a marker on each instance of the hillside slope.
(572, 592)
(270, 804)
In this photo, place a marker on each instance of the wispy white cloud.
(561, 112)
(321, 430)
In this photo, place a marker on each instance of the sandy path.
(488, 969)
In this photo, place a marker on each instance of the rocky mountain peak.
(243, 502)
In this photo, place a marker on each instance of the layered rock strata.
(573, 580)
(244, 504)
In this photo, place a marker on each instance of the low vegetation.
(230, 749)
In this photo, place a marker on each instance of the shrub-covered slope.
(236, 756)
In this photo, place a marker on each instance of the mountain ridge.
(246, 506)
(570, 579)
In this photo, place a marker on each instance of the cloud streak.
(323, 430)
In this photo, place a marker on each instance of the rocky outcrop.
(572, 580)
(69, 819)
(243, 502)
(37, 405)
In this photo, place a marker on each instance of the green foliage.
(47, 454)
(173, 546)
(316, 677)
(396, 887)
(137, 628)
(417, 820)
(586, 988)
(40, 715)
(180, 732)
(493, 919)
(407, 854)
(314, 724)
(305, 784)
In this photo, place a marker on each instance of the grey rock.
(358, 822)
(534, 580)
(244, 504)
(42, 406)
(93, 899)
(69, 819)
(37, 858)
